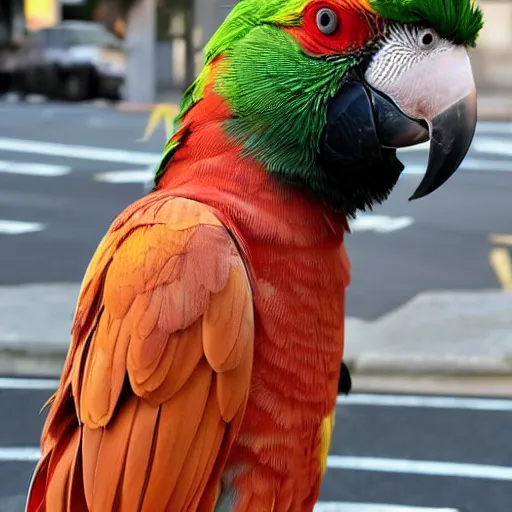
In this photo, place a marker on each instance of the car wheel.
(77, 86)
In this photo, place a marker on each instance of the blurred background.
(147, 50)
(87, 89)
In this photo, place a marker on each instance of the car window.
(56, 38)
(95, 37)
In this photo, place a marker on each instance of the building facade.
(12, 21)
(165, 39)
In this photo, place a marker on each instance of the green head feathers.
(279, 92)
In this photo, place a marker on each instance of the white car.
(75, 59)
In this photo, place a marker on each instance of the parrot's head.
(323, 92)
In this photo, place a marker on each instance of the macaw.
(207, 340)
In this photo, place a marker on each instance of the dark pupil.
(427, 39)
(325, 19)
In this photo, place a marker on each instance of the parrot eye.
(427, 39)
(326, 21)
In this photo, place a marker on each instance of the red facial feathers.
(354, 27)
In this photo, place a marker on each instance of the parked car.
(76, 59)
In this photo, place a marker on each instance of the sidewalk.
(491, 107)
(438, 334)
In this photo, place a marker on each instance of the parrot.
(208, 336)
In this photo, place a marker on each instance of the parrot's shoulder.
(167, 268)
(157, 239)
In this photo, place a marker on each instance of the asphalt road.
(437, 243)
(371, 441)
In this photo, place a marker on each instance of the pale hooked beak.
(439, 93)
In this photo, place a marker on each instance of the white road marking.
(435, 402)
(137, 176)
(14, 383)
(14, 227)
(374, 464)
(469, 164)
(79, 152)
(420, 467)
(34, 169)
(424, 146)
(493, 145)
(493, 127)
(341, 506)
(379, 223)
(365, 399)
(15, 454)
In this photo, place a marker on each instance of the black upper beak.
(362, 123)
(451, 134)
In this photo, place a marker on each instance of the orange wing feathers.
(157, 376)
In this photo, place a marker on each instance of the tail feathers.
(57, 485)
(37, 488)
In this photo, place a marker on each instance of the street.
(445, 454)
(66, 171)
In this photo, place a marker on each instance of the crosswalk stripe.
(136, 176)
(79, 152)
(33, 169)
(493, 145)
(15, 227)
(343, 506)
(373, 464)
(435, 402)
(420, 467)
(469, 164)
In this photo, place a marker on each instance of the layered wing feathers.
(158, 372)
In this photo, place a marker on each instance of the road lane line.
(15, 227)
(493, 145)
(34, 169)
(135, 176)
(494, 127)
(420, 467)
(79, 152)
(345, 506)
(35, 384)
(435, 402)
(468, 165)
(26, 454)
(424, 146)
(379, 223)
(373, 464)
(364, 399)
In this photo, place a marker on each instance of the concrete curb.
(47, 359)
(32, 359)
(415, 364)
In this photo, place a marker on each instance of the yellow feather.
(326, 430)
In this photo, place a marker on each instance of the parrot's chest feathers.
(299, 315)
(299, 306)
